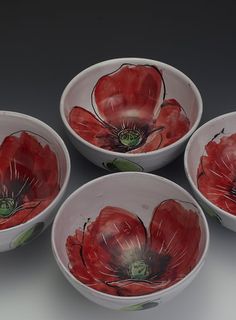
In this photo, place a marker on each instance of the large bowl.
(34, 172)
(130, 114)
(130, 241)
(210, 166)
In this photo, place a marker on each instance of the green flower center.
(7, 205)
(139, 270)
(130, 138)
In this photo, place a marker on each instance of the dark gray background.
(41, 49)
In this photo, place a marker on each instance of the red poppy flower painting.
(118, 255)
(217, 172)
(131, 114)
(29, 178)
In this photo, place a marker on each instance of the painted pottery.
(130, 241)
(210, 162)
(34, 172)
(138, 112)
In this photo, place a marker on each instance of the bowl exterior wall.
(146, 162)
(130, 304)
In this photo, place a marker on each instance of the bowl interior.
(102, 90)
(216, 141)
(33, 165)
(199, 140)
(146, 228)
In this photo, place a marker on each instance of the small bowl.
(131, 240)
(34, 172)
(209, 161)
(130, 114)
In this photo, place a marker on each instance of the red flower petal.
(216, 173)
(152, 143)
(175, 122)
(103, 287)
(110, 240)
(30, 171)
(77, 266)
(85, 124)
(175, 231)
(130, 92)
(117, 238)
(131, 288)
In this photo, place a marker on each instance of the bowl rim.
(196, 268)
(186, 166)
(137, 61)
(38, 122)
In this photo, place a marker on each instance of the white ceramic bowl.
(130, 241)
(214, 145)
(34, 172)
(130, 114)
